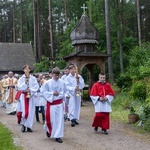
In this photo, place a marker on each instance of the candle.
(76, 72)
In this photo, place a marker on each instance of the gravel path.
(80, 137)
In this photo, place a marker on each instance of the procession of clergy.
(58, 98)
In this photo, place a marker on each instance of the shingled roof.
(84, 32)
(14, 55)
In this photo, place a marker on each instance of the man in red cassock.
(102, 95)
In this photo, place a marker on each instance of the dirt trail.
(80, 137)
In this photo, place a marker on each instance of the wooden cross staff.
(27, 71)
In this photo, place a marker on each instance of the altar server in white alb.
(102, 95)
(54, 91)
(66, 99)
(74, 83)
(28, 87)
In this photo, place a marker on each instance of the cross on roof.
(84, 8)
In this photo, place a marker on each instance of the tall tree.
(110, 63)
(21, 21)
(14, 22)
(51, 29)
(139, 21)
(35, 28)
(39, 41)
(119, 33)
(66, 13)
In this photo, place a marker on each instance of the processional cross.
(84, 8)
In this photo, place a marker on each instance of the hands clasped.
(103, 99)
(56, 93)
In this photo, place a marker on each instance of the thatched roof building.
(14, 55)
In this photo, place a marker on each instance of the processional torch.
(27, 74)
(78, 93)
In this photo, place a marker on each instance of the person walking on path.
(40, 102)
(10, 86)
(28, 86)
(54, 91)
(74, 83)
(66, 98)
(102, 94)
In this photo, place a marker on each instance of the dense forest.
(47, 25)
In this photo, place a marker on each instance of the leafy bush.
(146, 125)
(122, 101)
(132, 110)
(138, 90)
(139, 61)
(44, 65)
(124, 81)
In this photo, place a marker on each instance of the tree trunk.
(51, 29)
(39, 30)
(119, 33)
(21, 21)
(66, 13)
(35, 29)
(110, 64)
(14, 22)
(139, 22)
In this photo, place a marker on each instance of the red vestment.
(101, 119)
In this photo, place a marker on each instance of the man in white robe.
(27, 84)
(4, 90)
(40, 102)
(53, 91)
(74, 83)
(66, 98)
(10, 87)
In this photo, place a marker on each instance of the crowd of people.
(58, 98)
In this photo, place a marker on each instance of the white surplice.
(55, 111)
(33, 86)
(74, 101)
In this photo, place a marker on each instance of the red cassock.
(101, 119)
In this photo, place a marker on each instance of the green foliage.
(65, 45)
(138, 90)
(122, 100)
(124, 81)
(146, 125)
(132, 110)
(139, 59)
(120, 106)
(145, 116)
(6, 141)
(44, 65)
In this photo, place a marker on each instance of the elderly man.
(10, 86)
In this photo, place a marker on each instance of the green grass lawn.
(6, 140)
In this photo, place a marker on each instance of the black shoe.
(59, 140)
(104, 131)
(29, 130)
(18, 122)
(68, 119)
(72, 122)
(96, 129)
(47, 134)
(65, 117)
(38, 121)
(76, 122)
(13, 113)
(23, 129)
